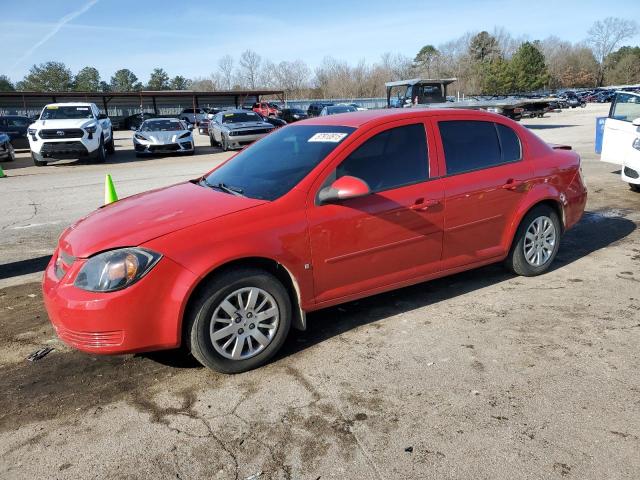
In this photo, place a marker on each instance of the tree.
(225, 67)
(528, 68)
(426, 59)
(87, 80)
(47, 77)
(5, 84)
(604, 36)
(250, 63)
(292, 77)
(179, 83)
(623, 66)
(484, 47)
(496, 77)
(159, 80)
(104, 86)
(124, 80)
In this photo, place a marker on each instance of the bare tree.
(292, 77)
(225, 67)
(604, 36)
(250, 63)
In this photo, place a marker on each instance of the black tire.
(101, 154)
(224, 143)
(38, 163)
(200, 314)
(212, 140)
(516, 260)
(12, 154)
(634, 187)
(110, 145)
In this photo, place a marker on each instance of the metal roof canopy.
(415, 81)
(35, 101)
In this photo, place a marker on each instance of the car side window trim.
(446, 174)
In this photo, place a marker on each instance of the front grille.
(631, 173)
(255, 131)
(171, 147)
(61, 133)
(63, 148)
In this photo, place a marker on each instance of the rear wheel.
(239, 320)
(635, 187)
(536, 242)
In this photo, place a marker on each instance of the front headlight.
(141, 137)
(116, 269)
(91, 128)
(636, 143)
(185, 135)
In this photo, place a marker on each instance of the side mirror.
(133, 127)
(344, 188)
(102, 116)
(636, 122)
(190, 126)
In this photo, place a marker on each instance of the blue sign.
(599, 133)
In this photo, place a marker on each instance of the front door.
(389, 236)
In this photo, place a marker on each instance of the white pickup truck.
(70, 131)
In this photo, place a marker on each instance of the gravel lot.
(482, 375)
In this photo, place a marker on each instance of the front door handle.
(422, 205)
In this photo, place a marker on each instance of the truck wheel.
(238, 321)
(101, 155)
(38, 163)
(110, 145)
(536, 242)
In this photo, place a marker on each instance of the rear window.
(473, 145)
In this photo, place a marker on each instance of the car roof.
(358, 119)
(71, 104)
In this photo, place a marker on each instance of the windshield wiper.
(225, 188)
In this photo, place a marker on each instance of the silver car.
(236, 128)
(163, 135)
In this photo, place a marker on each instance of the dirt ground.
(482, 375)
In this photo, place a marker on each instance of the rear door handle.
(512, 184)
(422, 205)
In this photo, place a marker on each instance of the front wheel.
(239, 320)
(212, 141)
(110, 145)
(101, 155)
(635, 187)
(224, 143)
(36, 162)
(536, 242)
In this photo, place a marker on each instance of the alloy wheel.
(539, 241)
(244, 323)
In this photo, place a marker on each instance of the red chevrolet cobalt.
(325, 211)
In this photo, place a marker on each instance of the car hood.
(74, 123)
(161, 137)
(241, 125)
(143, 217)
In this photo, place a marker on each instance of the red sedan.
(321, 212)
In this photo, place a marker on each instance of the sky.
(188, 37)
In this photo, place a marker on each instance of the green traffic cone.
(2, 174)
(110, 194)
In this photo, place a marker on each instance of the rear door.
(619, 131)
(486, 179)
(393, 234)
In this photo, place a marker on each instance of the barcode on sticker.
(327, 137)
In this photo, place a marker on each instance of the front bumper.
(143, 317)
(180, 146)
(238, 141)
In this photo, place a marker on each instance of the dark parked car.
(276, 122)
(293, 114)
(315, 109)
(6, 149)
(15, 127)
(134, 121)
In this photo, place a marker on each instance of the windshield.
(55, 112)
(161, 126)
(241, 117)
(274, 165)
(340, 109)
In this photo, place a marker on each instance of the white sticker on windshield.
(82, 108)
(327, 137)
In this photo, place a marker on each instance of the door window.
(473, 145)
(390, 159)
(626, 107)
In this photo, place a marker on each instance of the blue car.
(6, 149)
(16, 127)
